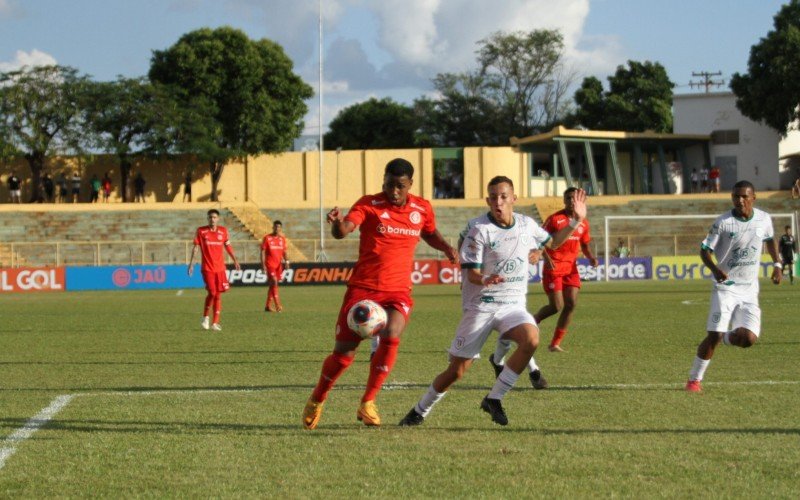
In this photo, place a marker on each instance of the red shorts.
(399, 301)
(216, 282)
(552, 283)
(275, 273)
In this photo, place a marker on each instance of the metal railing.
(164, 252)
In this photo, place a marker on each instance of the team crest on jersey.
(525, 239)
(459, 342)
(415, 217)
(715, 318)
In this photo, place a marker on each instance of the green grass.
(165, 409)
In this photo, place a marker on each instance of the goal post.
(688, 230)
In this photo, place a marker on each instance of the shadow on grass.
(211, 428)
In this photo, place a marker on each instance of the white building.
(741, 148)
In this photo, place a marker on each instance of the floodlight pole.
(321, 256)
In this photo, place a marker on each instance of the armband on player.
(573, 223)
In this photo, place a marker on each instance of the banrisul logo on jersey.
(403, 231)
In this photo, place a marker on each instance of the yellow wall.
(289, 180)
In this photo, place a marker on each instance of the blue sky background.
(388, 48)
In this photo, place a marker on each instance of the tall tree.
(125, 115)
(518, 90)
(373, 124)
(255, 98)
(639, 98)
(770, 92)
(40, 110)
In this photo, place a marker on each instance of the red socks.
(332, 368)
(380, 367)
(217, 308)
(207, 306)
(557, 336)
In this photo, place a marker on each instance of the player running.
(391, 224)
(494, 260)
(561, 283)
(735, 238)
(210, 240)
(273, 260)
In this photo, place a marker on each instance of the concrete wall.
(288, 180)
(757, 152)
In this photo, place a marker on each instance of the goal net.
(668, 235)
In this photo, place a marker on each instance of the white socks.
(501, 349)
(504, 383)
(426, 402)
(698, 368)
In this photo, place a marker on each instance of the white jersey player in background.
(735, 239)
(494, 260)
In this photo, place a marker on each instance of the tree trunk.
(216, 168)
(36, 163)
(125, 175)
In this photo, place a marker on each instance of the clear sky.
(388, 48)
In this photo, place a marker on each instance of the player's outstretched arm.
(719, 275)
(579, 213)
(777, 270)
(339, 227)
(437, 241)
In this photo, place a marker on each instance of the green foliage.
(165, 409)
(40, 114)
(373, 124)
(518, 90)
(639, 99)
(128, 117)
(251, 99)
(769, 91)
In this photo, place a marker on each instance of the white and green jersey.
(737, 244)
(499, 250)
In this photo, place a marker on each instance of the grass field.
(151, 405)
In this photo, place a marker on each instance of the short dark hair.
(213, 211)
(277, 223)
(788, 227)
(569, 190)
(499, 179)
(744, 184)
(399, 168)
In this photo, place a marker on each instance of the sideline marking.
(31, 426)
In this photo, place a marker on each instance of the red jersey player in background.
(210, 240)
(391, 224)
(273, 259)
(560, 277)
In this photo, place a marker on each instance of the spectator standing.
(714, 178)
(106, 185)
(63, 191)
(788, 247)
(138, 187)
(187, 187)
(622, 251)
(695, 187)
(49, 188)
(95, 184)
(14, 190)
(704, 180)
(75, 181)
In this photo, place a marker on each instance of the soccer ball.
(366, 318)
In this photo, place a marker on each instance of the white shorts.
(730, 311)
(16, 193)
(476, 326)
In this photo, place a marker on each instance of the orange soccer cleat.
(693, 386)
(312, 413)
(368, 413)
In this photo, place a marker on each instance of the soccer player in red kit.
(273, 259)
(210, 240)
(391, 224)
(560, 277)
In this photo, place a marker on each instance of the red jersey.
(564, 257)
(211, 246)
(388, 237)
(275, 245)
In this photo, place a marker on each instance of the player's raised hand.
(334, 215)
(579, 204)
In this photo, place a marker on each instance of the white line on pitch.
(9, 444)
